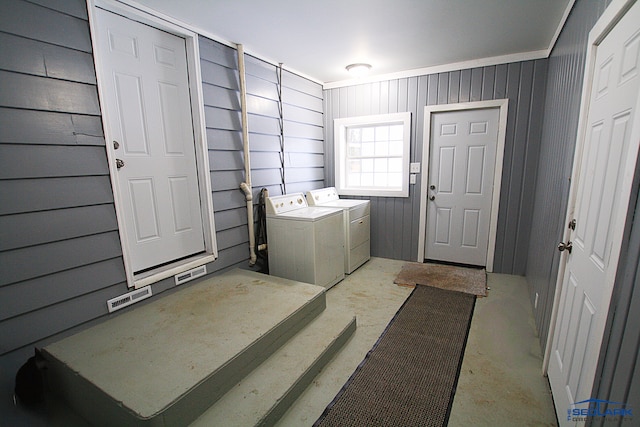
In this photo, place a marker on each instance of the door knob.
(565, 246)
(119, 163)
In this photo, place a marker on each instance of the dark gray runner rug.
(409, 376)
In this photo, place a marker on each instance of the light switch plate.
(414, 167)
(412, 178)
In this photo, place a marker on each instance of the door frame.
(147, 17)
(611, 16)
(429, 110)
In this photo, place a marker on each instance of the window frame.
(340, 127)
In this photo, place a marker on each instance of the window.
(372, 155)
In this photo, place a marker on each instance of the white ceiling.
(319, 38)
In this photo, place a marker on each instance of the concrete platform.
(166, 362)
(261, 398)
(501, 359)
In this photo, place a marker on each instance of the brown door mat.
(462, 279)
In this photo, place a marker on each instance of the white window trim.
(339, 140)
(147, 16)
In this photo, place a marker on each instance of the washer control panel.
(285, 203)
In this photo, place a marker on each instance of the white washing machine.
(357, 225)
(305, 243)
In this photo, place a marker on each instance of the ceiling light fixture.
(359, 69)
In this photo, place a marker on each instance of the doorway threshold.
(170, 269)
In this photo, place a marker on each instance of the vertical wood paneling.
(395, 221)
(531, 162)
(454, 87)
(620, 352)
(558, 138)
(476, 84)
(443, 88)
(465, 86)
(432, 90)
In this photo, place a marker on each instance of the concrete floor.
(500, 381)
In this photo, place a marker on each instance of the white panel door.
(461, 173)
(600, 208)
(149, 119)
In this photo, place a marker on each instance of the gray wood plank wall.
(561, 110)
(285, 139)
(617, 374)
(395, 221)
(60, 254)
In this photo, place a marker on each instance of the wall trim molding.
(445, 68)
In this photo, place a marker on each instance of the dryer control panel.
(285, 203)
(323, 195)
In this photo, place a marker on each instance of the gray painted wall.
(60, 255)
(396, 220)
(290, 159)
(617, 374)
(561, 110)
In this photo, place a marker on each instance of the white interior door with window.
(463, 153)
(146, 95)
(604, 166)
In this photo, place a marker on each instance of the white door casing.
(154, 124)
(604, 167)
(467, 186)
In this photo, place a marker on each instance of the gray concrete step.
(262, 397)
(166, 362)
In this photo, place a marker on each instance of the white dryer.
(305, 243)
(357, 225)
